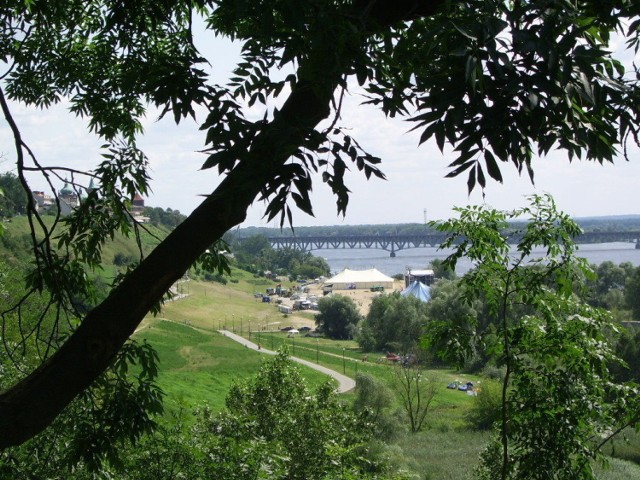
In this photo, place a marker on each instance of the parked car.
(392, 357)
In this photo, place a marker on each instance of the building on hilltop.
(137, 209)
(69, 199)
(43, 201)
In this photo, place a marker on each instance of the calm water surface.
(416, 258)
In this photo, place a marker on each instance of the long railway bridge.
(393, 243)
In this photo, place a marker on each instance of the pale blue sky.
(415, 174)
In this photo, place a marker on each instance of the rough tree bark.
(31, 405)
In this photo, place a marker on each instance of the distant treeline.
(168, 217)
(618, 223)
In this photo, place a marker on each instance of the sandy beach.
(361, 297)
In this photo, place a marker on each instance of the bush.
(487, 405)
(373, 395)
(215, 277)
(122, 259)
(493, 373)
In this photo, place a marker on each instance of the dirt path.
(344, 383)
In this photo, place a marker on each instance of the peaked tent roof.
(418, 290)
(355, 276)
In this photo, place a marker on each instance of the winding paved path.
(344, 383)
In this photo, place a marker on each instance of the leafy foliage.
(608, 288)
(13, 199)
(557, 394)
(632, 288)
(487, 407)
(441, 271)
(524, 74)
(338, 316)
(628, 349)
(90, 436)
(276, 428)
(393, 323)
(452, 325)
(167, 217)
(374, 395)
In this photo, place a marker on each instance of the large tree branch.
(32, 404)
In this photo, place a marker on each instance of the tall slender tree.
(559, 403)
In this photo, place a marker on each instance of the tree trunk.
(32, 404)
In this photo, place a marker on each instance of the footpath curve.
(344, 383)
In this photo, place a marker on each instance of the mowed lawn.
(199, 366)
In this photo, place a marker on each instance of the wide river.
(419, 258)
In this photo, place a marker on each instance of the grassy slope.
(199, 365)
(15, 243)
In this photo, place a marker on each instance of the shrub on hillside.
(486, 407)
(215, 277)
(122, 259)
(373, 395)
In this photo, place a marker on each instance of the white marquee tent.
(352, 279)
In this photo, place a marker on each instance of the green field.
(198, 365)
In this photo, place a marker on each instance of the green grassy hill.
(15, 244)
(198, 365)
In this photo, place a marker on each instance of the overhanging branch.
(32, 404)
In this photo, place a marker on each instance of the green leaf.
(492, 166)
(471, 180)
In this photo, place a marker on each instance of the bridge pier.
(392, 254)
